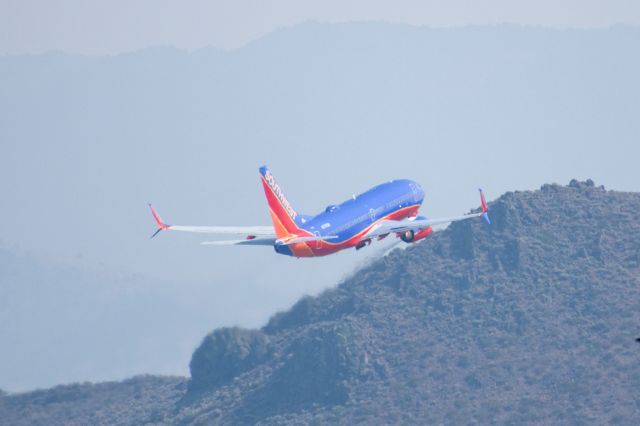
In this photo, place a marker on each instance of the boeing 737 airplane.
(389, 208)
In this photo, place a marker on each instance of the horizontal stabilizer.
(296, 240)
(248, 242)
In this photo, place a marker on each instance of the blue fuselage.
(350, 220)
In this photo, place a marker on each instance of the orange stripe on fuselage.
(302, 250)
(297, 249)
(327, 247)
(286, 227)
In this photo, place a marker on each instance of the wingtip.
(158, 219)
(485, 215)
(483, 201)
(483, 204)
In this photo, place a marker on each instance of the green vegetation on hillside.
(531, 319)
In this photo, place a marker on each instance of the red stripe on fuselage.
(323, 248)
(285, 227)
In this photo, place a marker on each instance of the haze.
(32, 26)
(87, 141)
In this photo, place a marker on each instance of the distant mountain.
(333, 108)
(62, 322)
(135, 401)
(531, 319)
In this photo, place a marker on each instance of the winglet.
(159, 222)
(483, 204)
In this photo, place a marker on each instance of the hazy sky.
(86, 142)
(100, 27)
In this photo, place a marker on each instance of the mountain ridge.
(531, 319)
(88, 141)
(509, 258)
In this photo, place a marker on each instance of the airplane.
(389, 208)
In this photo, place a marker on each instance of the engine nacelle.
(411, 236)
(407, 236)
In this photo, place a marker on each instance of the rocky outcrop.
(532, 319)
(225, 354)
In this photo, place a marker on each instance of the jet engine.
(407, 236)
(411, 236)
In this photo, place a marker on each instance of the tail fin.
(283, 214)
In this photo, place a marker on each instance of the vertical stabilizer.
(283, 215)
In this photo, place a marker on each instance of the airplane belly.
(348, 238)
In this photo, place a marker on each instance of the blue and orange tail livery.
(390, 208)
(283, 215)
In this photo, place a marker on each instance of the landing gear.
(362, 244)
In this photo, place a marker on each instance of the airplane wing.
(389, 226)
(251, 232)
(268, 241)
(255, 235)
